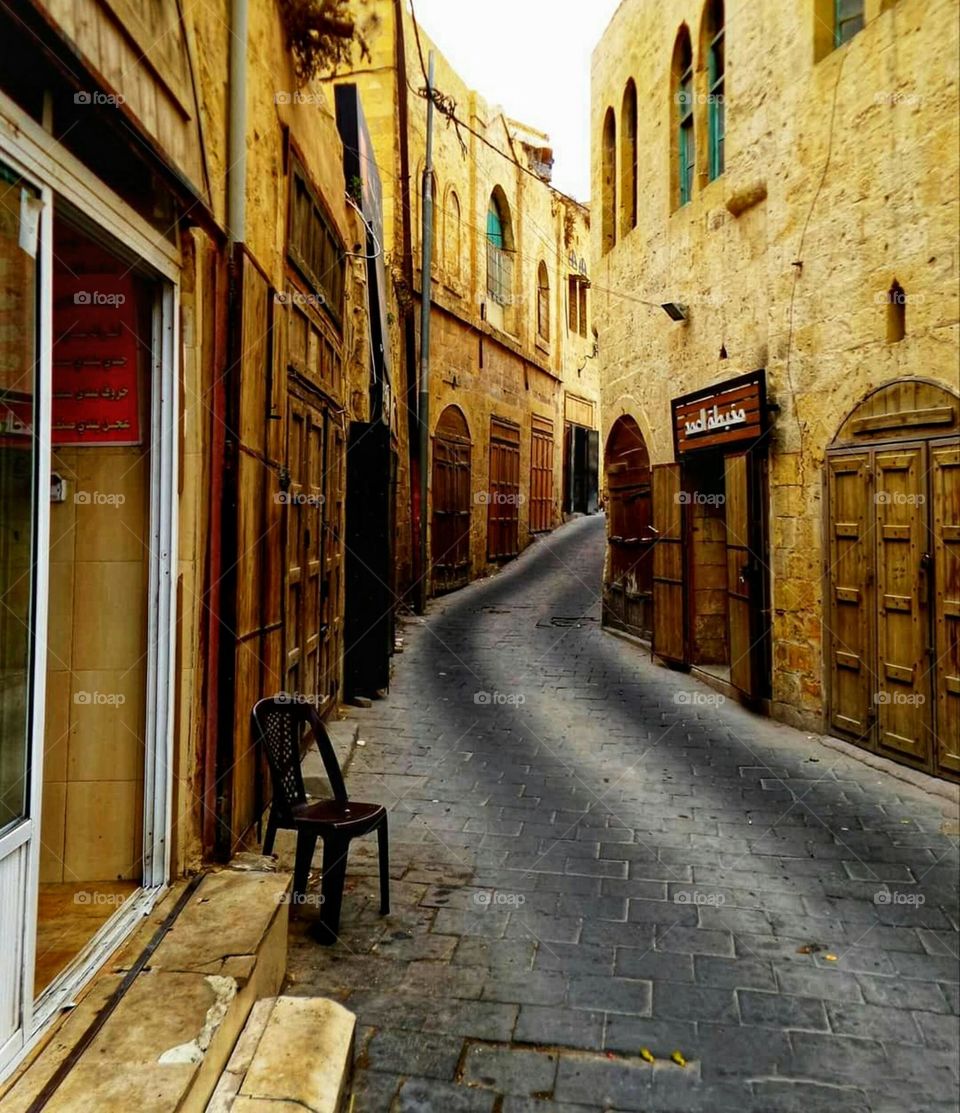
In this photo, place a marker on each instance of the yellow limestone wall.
(851, 162)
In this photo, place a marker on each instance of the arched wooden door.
(628, 582)
(893, 575)
(450, 539)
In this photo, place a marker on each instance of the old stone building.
(775, 291)
(514, 399)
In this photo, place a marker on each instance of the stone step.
(166, 1043)
(294, 1053)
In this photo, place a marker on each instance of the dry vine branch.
(321, 35)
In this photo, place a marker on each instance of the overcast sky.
(533, 58)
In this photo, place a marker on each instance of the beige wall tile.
(100, 831)
(112, 519)
(52, 818)
(107, 714)
(60, 621)
(110, 618)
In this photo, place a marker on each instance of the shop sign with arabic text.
(729, 414)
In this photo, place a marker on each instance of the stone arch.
(905, 409)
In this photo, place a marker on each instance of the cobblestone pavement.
(592, 855)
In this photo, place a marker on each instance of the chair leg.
(331, 887)
(271, 833)
(306, 845)
(383, 840)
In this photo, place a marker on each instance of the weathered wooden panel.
(850, 562)
(669, 613)
(902, 689)
(742, 606)
(901, 410)
(141, 50)
(628, 587)
(945, 490)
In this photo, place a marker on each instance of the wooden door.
(330, 553)
(669, 615)
(451, 494)
(541, 475)
(592, 478)
(293, 617)
(850, 554)
(310, 512)
(503, 497)
(744, 604)
(945, 517)
(903, 613)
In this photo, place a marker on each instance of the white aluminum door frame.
(24, 838)
(32, 152)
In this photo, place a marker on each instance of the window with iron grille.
(313, 246)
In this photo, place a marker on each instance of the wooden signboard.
(732, 414)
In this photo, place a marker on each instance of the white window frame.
(28, 149)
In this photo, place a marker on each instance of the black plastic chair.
(278, 726)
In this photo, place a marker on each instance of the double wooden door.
(893, 613)
(748, 618)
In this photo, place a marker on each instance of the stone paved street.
(592, 855)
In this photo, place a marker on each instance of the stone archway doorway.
(628, 576)
(450, 538)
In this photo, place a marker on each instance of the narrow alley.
(597, 860)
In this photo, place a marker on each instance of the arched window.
(628, 159)
(499, 249)
(716, 70)
(608, 170)
(451, 225)
(543, 302)
(682, 113)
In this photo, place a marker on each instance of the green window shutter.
(687, 152)
(716, 110)
(848, 20)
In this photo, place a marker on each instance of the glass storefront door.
(21, 205)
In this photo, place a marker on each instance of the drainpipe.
(228, 398)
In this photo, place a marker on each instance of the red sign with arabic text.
(95, 358)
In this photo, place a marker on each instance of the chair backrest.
(278, 725)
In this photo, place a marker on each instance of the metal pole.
(425, 305)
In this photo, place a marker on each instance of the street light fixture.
(674, 311)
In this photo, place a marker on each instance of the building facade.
(185, 352)
(775, 293)
(513, 393)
